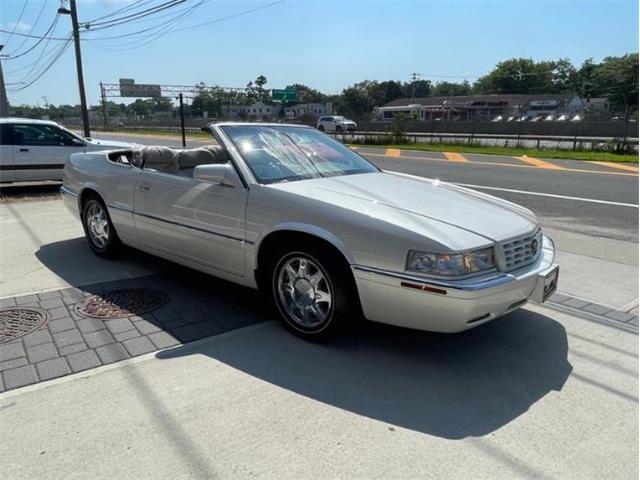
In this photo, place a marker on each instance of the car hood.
(97, 144)
(385, 193)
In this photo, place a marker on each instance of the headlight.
(457, 264)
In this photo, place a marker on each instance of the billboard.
(129, 88)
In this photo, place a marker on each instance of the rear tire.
(313, 291)
(338, 128)
(321, 128)
(98, 228)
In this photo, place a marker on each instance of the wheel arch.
(85, 193)
(292, 232)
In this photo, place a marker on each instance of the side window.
(6, 134)
(41, 136)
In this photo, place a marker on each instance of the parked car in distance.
(325, 233)
(562, 118)
(336, 123)
(32, 150)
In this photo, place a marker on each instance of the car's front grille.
(522, 251)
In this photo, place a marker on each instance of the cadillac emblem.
(534, 247)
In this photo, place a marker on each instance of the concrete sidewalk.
(539, 394)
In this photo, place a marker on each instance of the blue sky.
(327, 44)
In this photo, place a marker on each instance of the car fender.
(307, 228)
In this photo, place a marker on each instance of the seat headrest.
(154, 156)
(193, 157)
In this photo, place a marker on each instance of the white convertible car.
(322, 230)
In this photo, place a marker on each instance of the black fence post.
(575, 135)
(184, 139)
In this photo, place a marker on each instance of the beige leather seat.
(189, 159)
(180, 161)
(161, 159)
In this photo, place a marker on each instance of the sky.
(326, 44)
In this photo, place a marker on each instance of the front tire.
(98, 229)
(314, 291)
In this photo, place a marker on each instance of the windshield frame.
(232, 147)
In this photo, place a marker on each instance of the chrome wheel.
(97, 225)
(304, 291)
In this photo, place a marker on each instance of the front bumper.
(452, 306)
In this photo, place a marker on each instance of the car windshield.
(281, 154)
(339, 119)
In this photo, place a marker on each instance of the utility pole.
(184, 140)
(103, 97)
(4, 103)
(73, 11)
(414, 78)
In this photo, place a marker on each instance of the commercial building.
(481, 107)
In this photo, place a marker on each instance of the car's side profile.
(336, 123)
(323, 231)
(34, 150)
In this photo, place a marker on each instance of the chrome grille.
(519, 252)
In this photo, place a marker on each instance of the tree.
(518, 75)
(451, 89)
(417, 89)
(618, 78)
(256, 91)
(307, 94)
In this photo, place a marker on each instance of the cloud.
(20, 27)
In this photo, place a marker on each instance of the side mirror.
(218, 173)
(77, 143)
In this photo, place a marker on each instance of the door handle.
(144, 187)
(23, 150)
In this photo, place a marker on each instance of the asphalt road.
(587, 183)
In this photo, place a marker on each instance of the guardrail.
(566, 142)
(502, 140)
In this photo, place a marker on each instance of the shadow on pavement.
(451, 386)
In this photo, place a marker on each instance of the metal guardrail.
(529, 141)
(537, 141)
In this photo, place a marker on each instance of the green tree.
(256, 92)
(518, 75)
(417, 89)
(451, 89)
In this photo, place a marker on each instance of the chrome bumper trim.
(66, 191)
(457, 285)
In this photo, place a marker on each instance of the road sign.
(128, 88)
(286, 95)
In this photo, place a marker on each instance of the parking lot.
(206, 382)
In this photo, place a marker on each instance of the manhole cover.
(122, 303)
(17, 322)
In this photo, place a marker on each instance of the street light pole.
(73, 11)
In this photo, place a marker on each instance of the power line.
(15, 25)
(134, 16)
(123, 9)
(162, 29)
(45, 36)
(33, 26)
(27, 83)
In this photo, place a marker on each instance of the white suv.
(335, 123)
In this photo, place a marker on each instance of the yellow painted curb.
(393, 152)
(454, 157)
(536, 162)
(628, 168)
